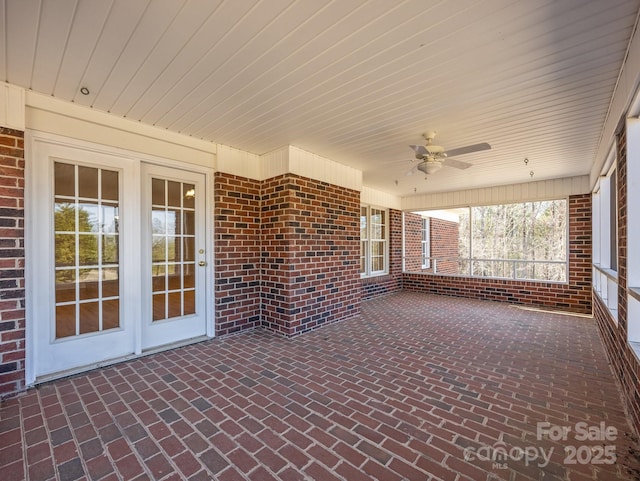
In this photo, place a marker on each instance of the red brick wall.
(311, 247)
(623, 360)
(391, 282)
(413, 242)
(12, 314)
(574, 296)
(443, 237)
(237, 243)
(444, 245)
(277, 265)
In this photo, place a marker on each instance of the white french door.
(173, 255)
(116, 261)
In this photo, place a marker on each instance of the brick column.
(310, 253)
(237, 253)
(12, 296)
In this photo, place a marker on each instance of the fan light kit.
(434, 157)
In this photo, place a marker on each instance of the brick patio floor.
(418, 387)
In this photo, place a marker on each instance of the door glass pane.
(157, 192)
(86, 217)
(110, 185)
(88, 182)
(65, 320)
(89, 284)
(173, 246)
(189, 196)
(65, 285)
(65, 216)
(173, 194)
(65, 180)
(65, 250)
(89, 317)
(159, 307)
(189, 302)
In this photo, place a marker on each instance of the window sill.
(634, 292)
(373, 276)
(610, 273)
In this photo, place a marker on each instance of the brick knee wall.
(12, 294)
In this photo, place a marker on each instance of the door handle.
(202, 263)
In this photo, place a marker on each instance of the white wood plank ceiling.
(352, 80)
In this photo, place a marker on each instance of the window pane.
(159, 307)
(110, 249)
(189, 276)
(65, 179)
(377, 248)
(189, 252)
(65, 250)
(88, 219)
(88, 182)
(158, 221)
(88, 246)
(88, 284)
(189, 223)
(189, 302)
(110, 314)
(110, 282)
(158, 249)
(157, 191)
(175, 304)
(174, 222)
(65, 217)
(65, 321)
(174, 196)
(66, 285)
(189, 196)
(89, 317)
(110, 188)
(377, 264)
(175, 277)
(363, 223)
(110, 218)
(158, 278)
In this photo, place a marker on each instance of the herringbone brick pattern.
(418, 387)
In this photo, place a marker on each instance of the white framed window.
(426, 243)
(605, 237)
(374, 246)
(633, 230)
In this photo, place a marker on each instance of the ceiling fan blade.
(456, 164)
(468, 149)
(420, 150)
(413, 170)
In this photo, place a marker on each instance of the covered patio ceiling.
(351, 80)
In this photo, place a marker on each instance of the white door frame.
(38, 293)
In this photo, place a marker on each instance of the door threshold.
(110, 362)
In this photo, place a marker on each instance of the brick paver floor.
(418, 387)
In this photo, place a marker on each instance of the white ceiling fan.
(433, 157)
